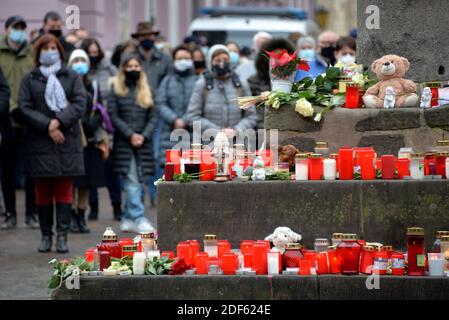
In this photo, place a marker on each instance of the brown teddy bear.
(390, 70)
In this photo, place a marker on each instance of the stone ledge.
(324, 287)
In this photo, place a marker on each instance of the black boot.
(82, 222)
(45, 214)
(62, 226)
(117, 211)
(93, 215)
(74, 225)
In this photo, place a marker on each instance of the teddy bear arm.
(409, 86)
(374, 90)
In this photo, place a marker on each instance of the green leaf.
(54, 282)
(333, 72)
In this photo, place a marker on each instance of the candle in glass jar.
(273, 262)
(367, 171)
(201, 263)
(403, 168)
(417, 166)
(321, 244)
(436, 264)
(211, 245)
(346, 160)
(304, 267)
(349, 252)
(301, 167)
(184, 251)
(139, 263)
(322, 148)
(353, 96)
(315, 167)
(228, 264)
(441, 163)
(334, 261)
(367, 260)
(259, 262)
(415, 251)
(322, 266)
(387, 167)
(174, 156)
(223, 246)
(90, 254)
(329, 169)
(430, 164)
(397, 264)
(105, 260)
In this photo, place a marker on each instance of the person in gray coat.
(214, 102)
(173, 99)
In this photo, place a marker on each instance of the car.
(240, 24)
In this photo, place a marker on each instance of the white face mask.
(347, 59)
(183, 65)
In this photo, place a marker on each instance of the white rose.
(358, 79)
(318, 117)
(276, 104)
(304, 107)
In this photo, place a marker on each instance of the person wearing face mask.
(214, 101)
(16, 59)
(53, 24)
(134, 118)
(234, 53)
(173, 98)
(52, 101)
(156, 65)
(100, 72)
(199, 61)
(307, 51)
(346, 51)
(92, 123)
(327, 42)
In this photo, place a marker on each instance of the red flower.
(303, 65)
(179, 267)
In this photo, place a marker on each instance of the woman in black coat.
(52, 100)
(134, 119)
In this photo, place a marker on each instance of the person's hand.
(179, 124)
(137, 140)
(57, 136)
(230, 133)
(54, 124)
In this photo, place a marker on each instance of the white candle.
(139, 263)
(447, 168)
(329, 169)
(273, 263)
(152, 253)
(436, 264)
(302, 169)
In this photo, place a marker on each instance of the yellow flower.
(304, 107)
(358, 79)
(276, 104)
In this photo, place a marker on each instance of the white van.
(240, 24)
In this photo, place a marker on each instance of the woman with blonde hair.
(134, 118)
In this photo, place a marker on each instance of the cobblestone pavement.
(24, 271)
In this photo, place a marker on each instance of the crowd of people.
(74, 119)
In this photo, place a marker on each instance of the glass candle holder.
(329, 169)
(353, 96)
(183, 251)
(292, 255)
(436, 264)
(387, 167)
(417, 166)
(110, 243)
(169, 171)
(259, 259)
(228, 264)
(301, 167)
(322, 147)
(403, 168)
(349, 252)
(273, 260)
(415, 251)
(367, 260)
(380, 262)
(223, 246)
(334, 261)
(201, 263)
(90, 254)
(211, 245)
(316, 167)
(304, 267)
(367, 171)
(174, 156)
(441, 163)
(322, 265)
(430, 164)
(346, 160)
(321, 244)
(397, 264)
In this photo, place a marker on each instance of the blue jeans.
(157, 171)
(134, 207)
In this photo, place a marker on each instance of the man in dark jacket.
(53, 24)
(6, 134)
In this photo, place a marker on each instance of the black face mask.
(222, 70)
(328, 53)
(56, 32)
(132, 77)
(147, 44)
(199, 64)
(94, 60)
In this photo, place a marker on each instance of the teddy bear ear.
(406, 63)
(375, 64)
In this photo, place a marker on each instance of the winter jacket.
(102, 73)
(172, 100)
(156, 68)
(5, 123)
(128, 118)
(44, 158)
(218, 108)
(15, 65)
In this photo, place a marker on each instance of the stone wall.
(415, 29)
(387, 130)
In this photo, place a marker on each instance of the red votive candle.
(367, 170)
(246, 246)
(304, 267)
(105, 260)
(353, 96)
(201, 262)
(208, 166)
(387, 167)
(334, 261)
(403, 168)
(224, 246)
(346, 157)
(183, 251)
(89, 254)
(174, 156)
(430, 164)
(259, 261)
(311, 256)
(441, 164)
(322, 267)
(194, 248)
(228, 264)
(247, 260)
(169, 171)
(315, 167)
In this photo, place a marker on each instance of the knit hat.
(303, 40)
(212, 51)
(79, 53)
